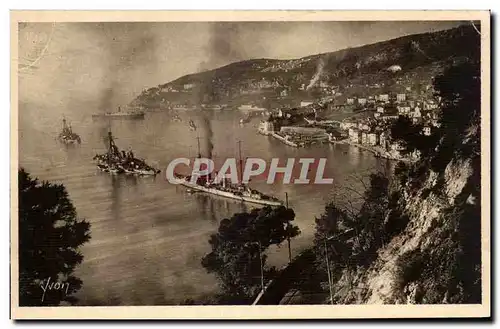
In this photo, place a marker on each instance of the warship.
(241, 192)
(120, 115)
(115, 161)
(225, 188)
(67, 136)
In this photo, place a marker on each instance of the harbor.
(127, 211)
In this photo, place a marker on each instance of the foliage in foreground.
(239, 246)
(49, 237)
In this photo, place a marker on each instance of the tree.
(411, 136)
(49, 237)
(239, 245)
(369, 223)
(351, 237)
(459, 87)
(330, 237)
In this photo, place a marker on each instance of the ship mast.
(110, 141)
(65, 126)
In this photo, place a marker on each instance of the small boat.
(192, 126)
(245, 119)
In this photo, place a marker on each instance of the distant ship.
(67, 136)
(214, 107)
(178, 107)
(176, 118)
(115, 161)
(120, 115)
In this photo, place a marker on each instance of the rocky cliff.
(436, 257)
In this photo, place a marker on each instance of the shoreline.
(377, 153)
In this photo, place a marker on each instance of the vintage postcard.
(250, 165)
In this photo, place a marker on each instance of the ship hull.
(119, 116)
(107, 169)
(227, 194)
(70, 141)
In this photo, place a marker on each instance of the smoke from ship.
(208, 135)
(106, 100)
(223, 47)
(317, 75)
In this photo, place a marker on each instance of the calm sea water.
(148, 236)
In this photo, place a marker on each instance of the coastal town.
(368, 127)
(358, 114)
(301, 109)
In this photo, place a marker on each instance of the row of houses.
(375, 138)
(358, 136)
(362, 134)
(417, 111)
(382, 98)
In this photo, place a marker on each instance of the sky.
(111, 63)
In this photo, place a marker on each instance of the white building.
(416, 113)
(354, 135)
(396, 149)
(364, 138)
(323, 84)
(266, 127)
(350, 101)
(284, 113)
(404, 110)
(426, 131)
(383, 97)
(430, 105)
(400, 97)
(361, 101)
(387, 117)
(363, 126)
(380, 109)
(305, 103)
(345, 125)
(372, 139)
(188, 86)
(384, 139)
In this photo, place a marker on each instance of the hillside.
(418, 231)
(388, 66)
(414, 236)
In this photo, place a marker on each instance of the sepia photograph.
(197, 161)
